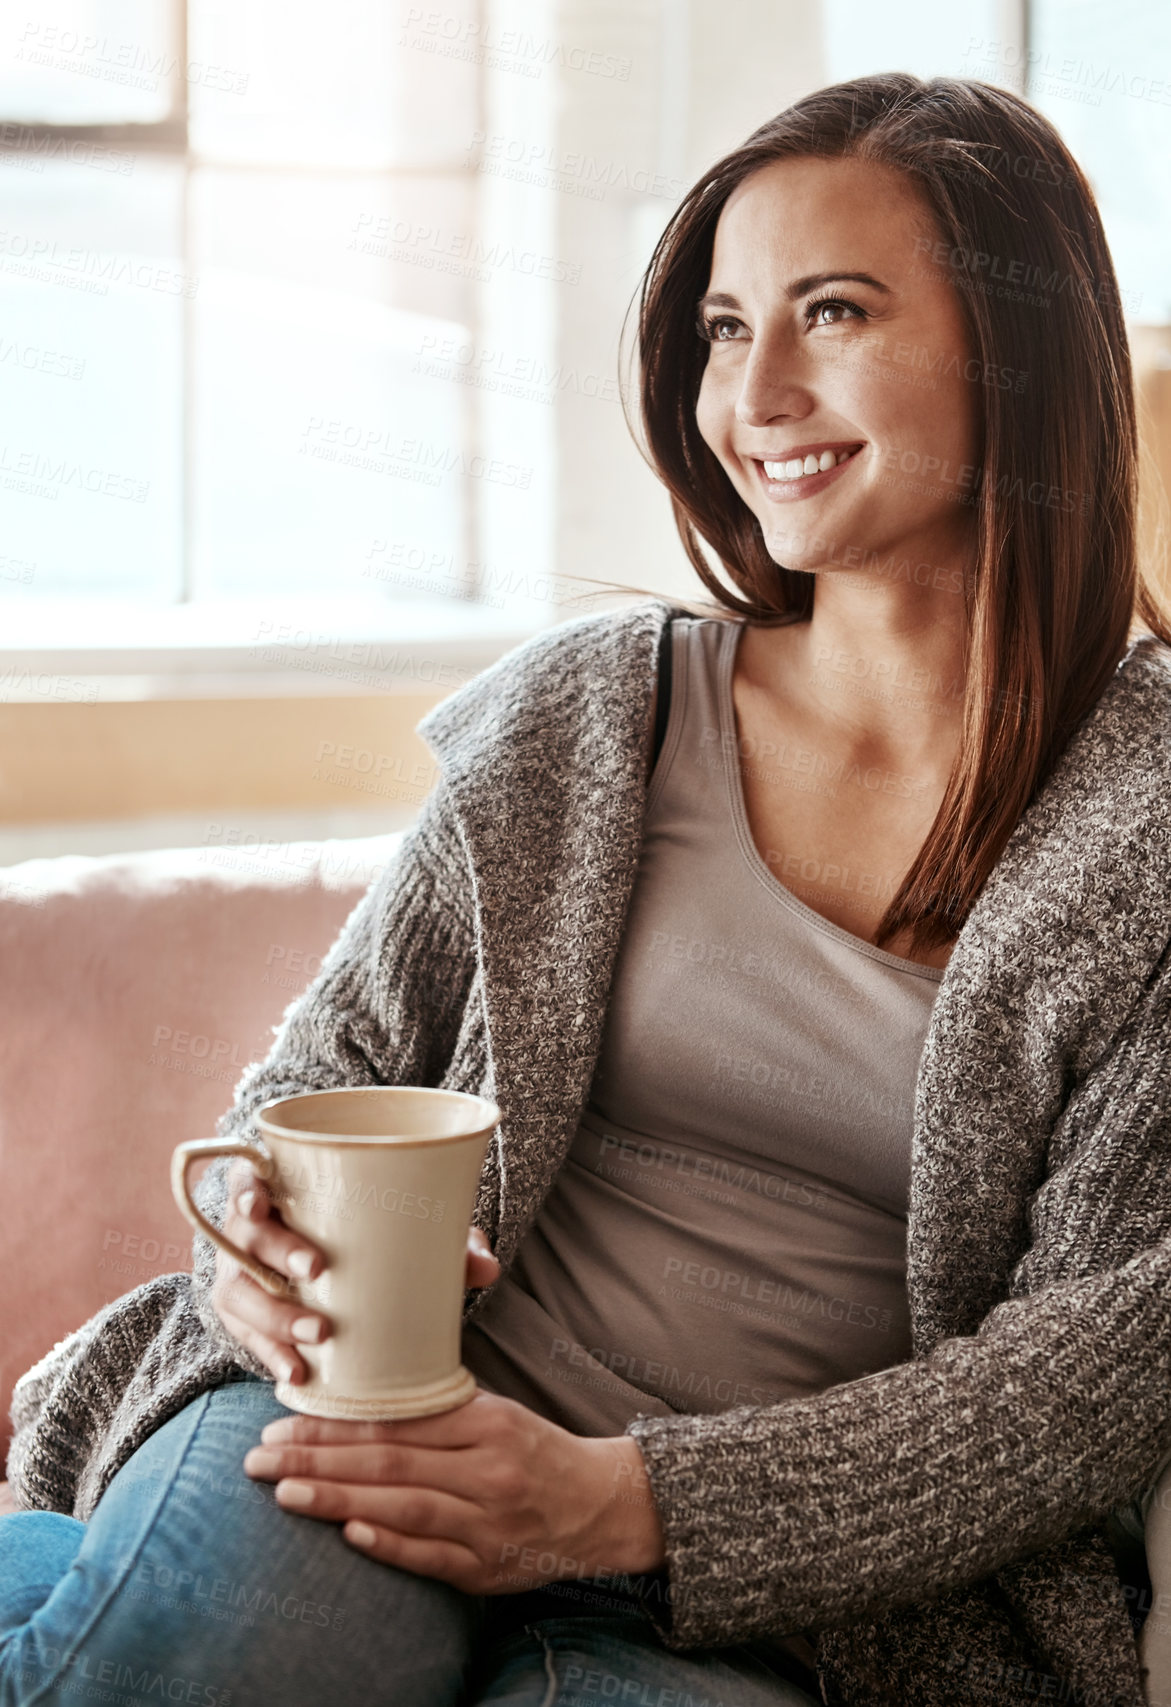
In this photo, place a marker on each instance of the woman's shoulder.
(1147, 660)
(597, 662)
(1131, 723)
(1100, 824)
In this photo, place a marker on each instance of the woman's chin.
(800, 561)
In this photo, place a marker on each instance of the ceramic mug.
(383, 1179)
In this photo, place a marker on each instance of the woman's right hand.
(270, 1328)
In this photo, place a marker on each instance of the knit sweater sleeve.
(932, 1474)
(385, 1009)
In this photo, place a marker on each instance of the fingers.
(324, 1431)
(241, 1174)
(276, 1355)
(447, 1561)
(482, 1267)
(271, 1328)
(370, 1465)
(268, 1327)
(415, 1511)
(263, 1234)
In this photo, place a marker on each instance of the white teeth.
(797, 466)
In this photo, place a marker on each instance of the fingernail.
(308, 1329)
(258, 1462)
(246, 1200)
(295, 1493)
(301, 1262)
(360, 1534)
(288, 1372)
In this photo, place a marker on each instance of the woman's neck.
(884, 673)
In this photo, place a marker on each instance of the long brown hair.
(1056, 589)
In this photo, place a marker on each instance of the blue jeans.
(190, 1584)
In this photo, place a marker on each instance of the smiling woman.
(857, 274)
(819, 1296)
(798, 405)
(797, 358)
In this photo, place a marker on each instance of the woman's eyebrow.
(799, 287)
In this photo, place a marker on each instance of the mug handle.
(201, 1149)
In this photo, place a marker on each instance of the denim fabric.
(587, 1661)
(190, 1584)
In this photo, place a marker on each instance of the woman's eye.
(710, 328)
(825, 311)
(815, 310)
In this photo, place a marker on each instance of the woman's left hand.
(489, 1497)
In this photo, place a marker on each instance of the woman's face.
(872, 376)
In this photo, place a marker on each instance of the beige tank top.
(729, 1225)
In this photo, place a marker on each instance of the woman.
(823, 1351)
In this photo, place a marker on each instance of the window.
(1103, 76)
(231, 241)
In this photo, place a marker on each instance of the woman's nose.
(770, 387)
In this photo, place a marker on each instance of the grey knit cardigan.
(938, 1526)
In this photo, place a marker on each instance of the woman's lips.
(805, 485)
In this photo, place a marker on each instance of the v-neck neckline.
(725, 662)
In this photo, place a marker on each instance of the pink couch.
(136, 989)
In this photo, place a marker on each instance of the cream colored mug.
(383, 1179)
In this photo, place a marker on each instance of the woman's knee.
(190, 1564)
(192, 1462)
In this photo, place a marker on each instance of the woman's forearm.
(629, 1534)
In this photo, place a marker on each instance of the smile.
(802, 475)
